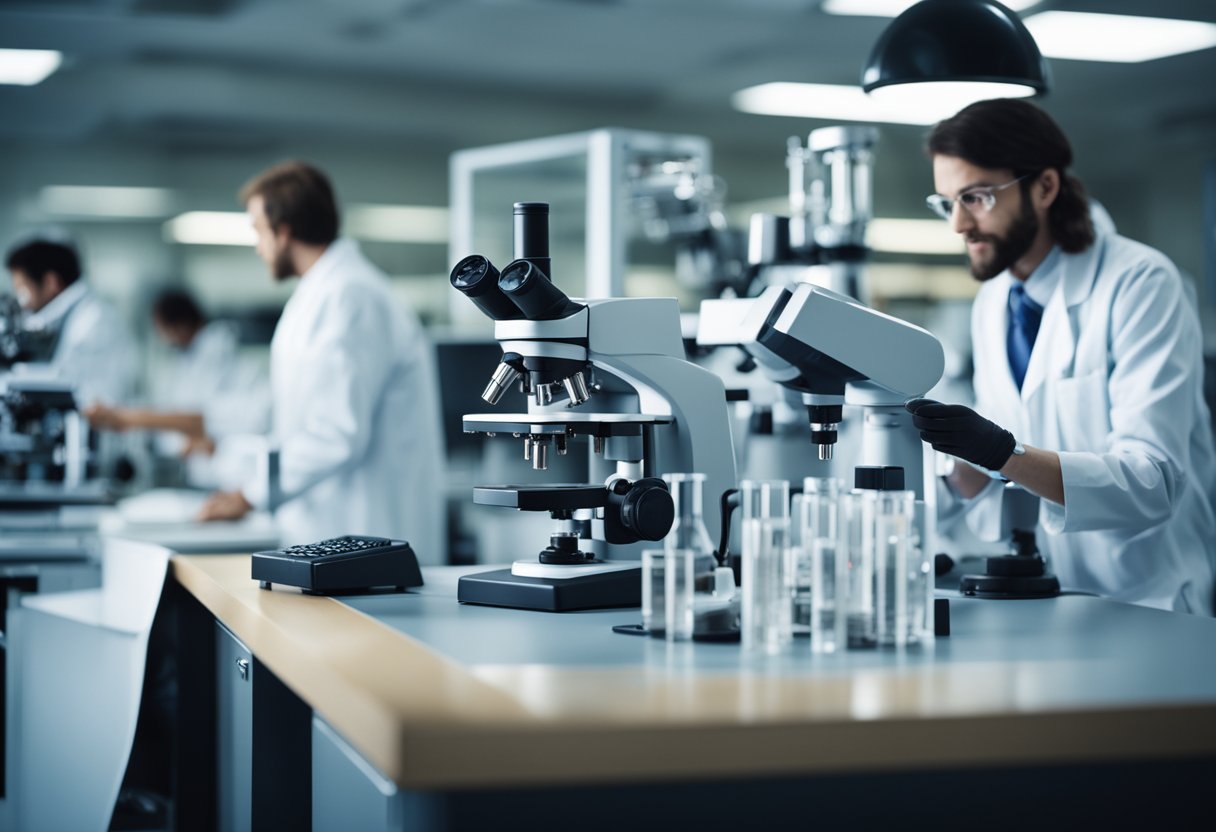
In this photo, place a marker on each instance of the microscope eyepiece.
(530, 288)
(477, 279)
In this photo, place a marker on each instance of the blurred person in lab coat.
(1088, 368)
(354, 400)
(93, 350)
(206, 398)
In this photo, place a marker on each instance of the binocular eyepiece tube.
(476, 278)
(523, 289)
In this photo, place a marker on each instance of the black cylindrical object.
(477, 279)
(532, 234)
(878, 477)
(530, 288)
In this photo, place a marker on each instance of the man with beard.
(353, 397)
(93, 348)
(1088, 351)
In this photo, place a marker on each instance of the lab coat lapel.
(1056, 345)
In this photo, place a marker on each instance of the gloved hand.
(961, 432)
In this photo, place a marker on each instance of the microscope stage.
(541, 424)
(618, 587)
(551, 497)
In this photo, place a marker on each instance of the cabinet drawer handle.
(242, 667)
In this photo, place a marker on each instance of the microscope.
(610, 372)
(44, 440)
(19, 343)
(831, 350)
(1022, 573)
(823, 240)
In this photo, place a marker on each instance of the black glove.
(961, 432)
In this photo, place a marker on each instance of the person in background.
(93, 350)
(1088, 368)
(354, 401)
(207, 393)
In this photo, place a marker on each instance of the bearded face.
(989, 254)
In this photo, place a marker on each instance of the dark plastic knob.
(878, 477)
(1015, 566)
(648, 510)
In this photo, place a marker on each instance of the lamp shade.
(958, 42)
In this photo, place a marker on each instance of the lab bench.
(411, 711)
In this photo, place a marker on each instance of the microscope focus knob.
(647, 509)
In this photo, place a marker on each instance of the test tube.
(821, 505)
(678, 593)
(798, 567)
(855, 571)
(899, 587)
(654, 592)
(766, 602)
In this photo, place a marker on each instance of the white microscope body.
(612, 370)
(832, 350)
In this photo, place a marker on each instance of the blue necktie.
(1024, 318)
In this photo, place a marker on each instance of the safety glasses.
(976, 201)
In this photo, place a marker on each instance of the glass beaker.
(688, 531)
(690, 534)
(766, 604)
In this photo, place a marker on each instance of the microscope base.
(1010, 587)
(500, 588)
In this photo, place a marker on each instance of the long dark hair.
(1010, 134)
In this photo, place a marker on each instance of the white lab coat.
(230, 390)
(355, 412)
(211, 377)
(94, 350)
(1115, 385)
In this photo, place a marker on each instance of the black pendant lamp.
(963, 50)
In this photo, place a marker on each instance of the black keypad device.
(340, 564)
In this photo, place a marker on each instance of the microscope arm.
(833, 337)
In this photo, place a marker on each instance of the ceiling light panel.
(894, 8)
(912, 236)
(1080, 36)
(398, 223)
(920, 104)
(105, 202)
(211, 228)
(27, 67)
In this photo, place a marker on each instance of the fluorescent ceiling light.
(894, 8)
(28, 66)
(922, 104)
(903, 236)
(398, 223)
(1117, 38)
(942, 99)
(378, 223)
(106, 202)
(211, 228)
